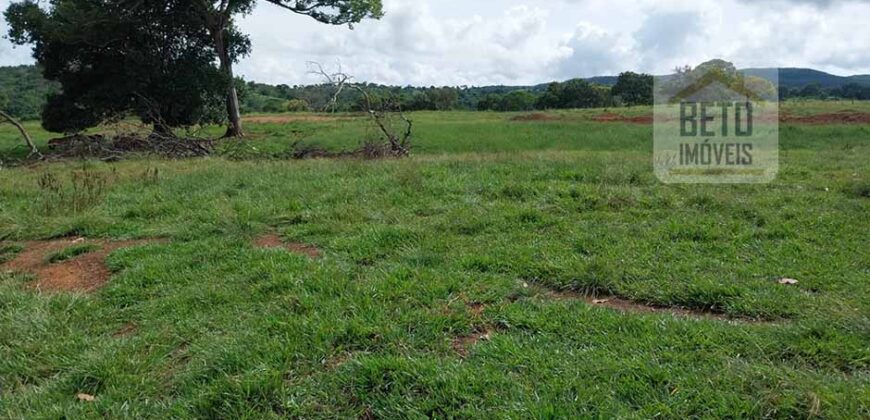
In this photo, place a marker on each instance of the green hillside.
(23, 91)
(798, 77)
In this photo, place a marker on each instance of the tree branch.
(34, 151)
(380, 117)
(337, 79)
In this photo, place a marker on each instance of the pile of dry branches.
(115, 147)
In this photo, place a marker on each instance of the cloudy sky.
(481, 42)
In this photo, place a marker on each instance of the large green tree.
(634, 89)
(217, 17)
(574, 93)
(117, 57)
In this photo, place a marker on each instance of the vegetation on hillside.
(23, 91)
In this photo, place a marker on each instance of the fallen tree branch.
(34, 151)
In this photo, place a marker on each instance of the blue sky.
(462, 42)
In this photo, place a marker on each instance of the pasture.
(513, 266)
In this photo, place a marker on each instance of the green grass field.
(449, 282)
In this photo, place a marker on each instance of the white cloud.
(457, 42)
(412, 44)
(9, 55)
(592, 51)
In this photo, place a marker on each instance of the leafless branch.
(338, 79)
(380, 115)
(34, 151)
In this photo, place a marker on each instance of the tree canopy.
(154, 59)
(574, 93)
(634, 89)
(119, 57)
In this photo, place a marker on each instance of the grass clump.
(9, 251)
(859, 189)
(71, 252)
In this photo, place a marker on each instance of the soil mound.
(273, 241)
(535, 117)
(609, 117)
(82, 273)
(842, 117)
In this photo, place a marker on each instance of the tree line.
(630, 89)
(28, 91)
(849, 91)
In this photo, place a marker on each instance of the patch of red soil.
(289, 118)
(336, 361)
(537, 116)
(126, 330)
(84, 273)
(269, 241)
(609, 117)
(476, 308)
(623, 305)
(273, 241)
(842, 117)
(462, 345)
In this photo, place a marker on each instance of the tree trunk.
(34, 151)
(234, 129)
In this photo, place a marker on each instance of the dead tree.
(337, 79)
(399, 142)
(34, 151)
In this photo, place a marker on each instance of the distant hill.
(798, 78)
(603, 80)
(788, 77)
(863, 79)
(23, 91)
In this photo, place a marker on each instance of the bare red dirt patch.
(609, 117)
(476, 308)
(273, 241)
(462, 345)
(535, 117)
(337, 360)
(84, 273)
(842, 117)
(126, 330)
(623, 305)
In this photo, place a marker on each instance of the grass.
(8, 252)
(486, 212)
(71, 252)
